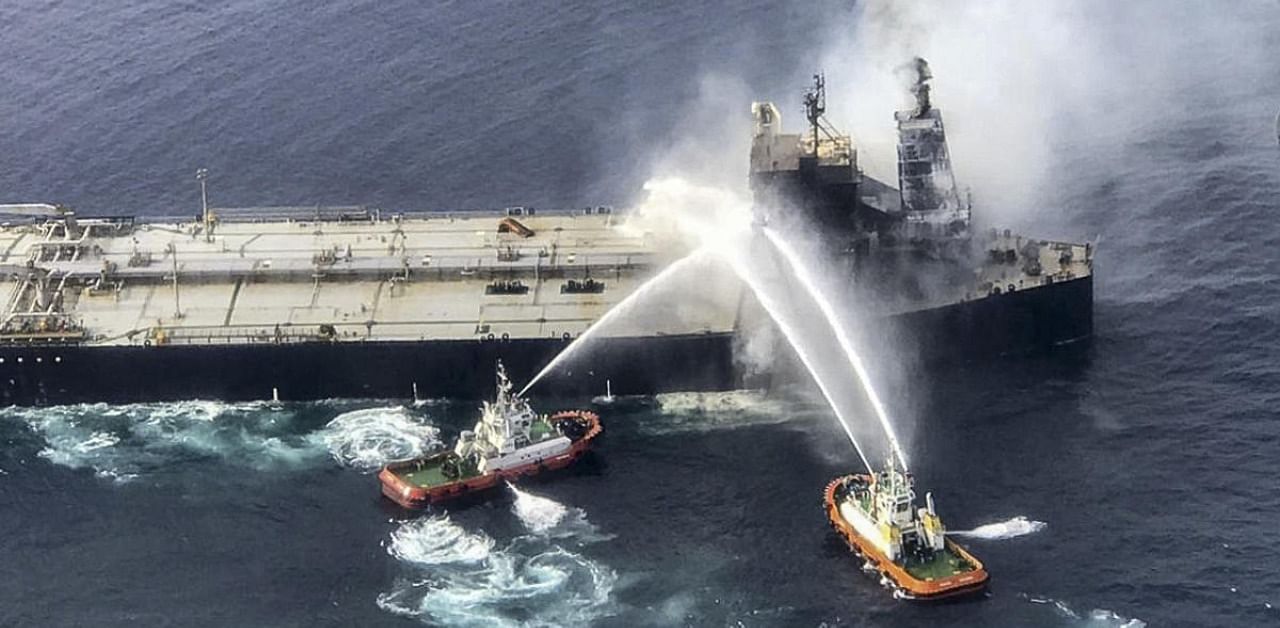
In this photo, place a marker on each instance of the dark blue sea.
(1152, 455)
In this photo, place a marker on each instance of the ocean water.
(1149, 456)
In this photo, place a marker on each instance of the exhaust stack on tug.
(878, 517)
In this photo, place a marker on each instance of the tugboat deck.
(428, 475)
(940, 565)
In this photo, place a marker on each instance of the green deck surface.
(431, 474)
(426, 476)
(541, 430)
(941, 565)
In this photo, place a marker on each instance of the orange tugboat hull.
(967, 583)
(396, 488)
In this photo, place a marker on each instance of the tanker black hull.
(58, 374)
(1006, 324)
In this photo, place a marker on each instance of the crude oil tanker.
(315, 302)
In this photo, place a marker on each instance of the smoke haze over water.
(1018, 80)
(1030, 92)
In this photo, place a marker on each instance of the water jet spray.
(774, 309)
(615, 311)
(801, 272)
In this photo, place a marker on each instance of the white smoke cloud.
(711, 138)
(1017, 80)
(1025, 88)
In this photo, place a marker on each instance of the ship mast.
(822, 131)
(201, 175)
(504, 385)
(815, 104)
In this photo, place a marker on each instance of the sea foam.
(370, 438)
(1096, 618)
(709, 411)
(1015, 527)
(120, 442)
(461, 578)
(549, 518)
(538, 514)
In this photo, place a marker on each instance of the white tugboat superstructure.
(506, 434)
(891, 523)
(509, 440)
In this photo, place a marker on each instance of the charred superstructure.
(931, 207)
(353, 301)
(952, 290)
(817, 173)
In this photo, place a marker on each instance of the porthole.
(19, 359)
(57, 358)
(39, 359)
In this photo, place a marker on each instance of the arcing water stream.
(769, 266)
(617, 310)
(773, 304)
(801, 272)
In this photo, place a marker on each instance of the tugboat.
(509, 440)
(877, 515)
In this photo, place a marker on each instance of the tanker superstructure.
(911, 251)
(359, 302)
